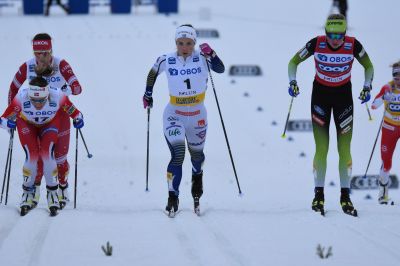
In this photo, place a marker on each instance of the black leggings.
(324, 101)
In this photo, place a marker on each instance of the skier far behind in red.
(58, 74)
(389, 95)
(37, 111)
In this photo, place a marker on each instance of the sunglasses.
(185, 43)
(44, 53)
(38, 100)
(335, 36)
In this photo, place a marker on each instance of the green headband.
(336, 25)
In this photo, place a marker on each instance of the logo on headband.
(40, 42)
(41, 45)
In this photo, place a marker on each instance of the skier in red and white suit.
(389, 95)
(38, 112)
(58, 74)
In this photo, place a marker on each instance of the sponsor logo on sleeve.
(303, 53)
(348, 45)
(196, 59)
(171, 60)
(27, 104)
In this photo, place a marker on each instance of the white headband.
(396, 70)
(185, 32)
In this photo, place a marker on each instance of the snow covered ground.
(272, 223)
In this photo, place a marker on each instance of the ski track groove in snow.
(7, 228)
(40, 238)
(185, 241)
(370, 239)
(222, 242)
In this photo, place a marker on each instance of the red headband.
(41, 45)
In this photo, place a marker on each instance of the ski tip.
(283, 136)
(90, 155)
(147, 190)
(240, 194)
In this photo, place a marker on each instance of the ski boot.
(36, 196)
(27, 200)
(63, 197)
(52, 200)
(383, 197)
(319, 200)
(345, 202)
(197, 191)
(172, 205)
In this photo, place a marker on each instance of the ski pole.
(223, 127)
(287, 118)
(76, 167)
(6, 167)
(89, 155)
(369, 113)
(373, 148)
(9, 164)
(148, 141)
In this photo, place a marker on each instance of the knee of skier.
(197, 158)
(177, 153)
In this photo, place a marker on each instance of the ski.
(320, 211)
(196, 206)
(24, 210)
(53, 211)
(351, 212)
(197, 211)
(171, 214)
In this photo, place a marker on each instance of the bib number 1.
(187, 81)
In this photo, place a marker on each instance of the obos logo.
(53, 79)
(334, 59)
(189, 71)
(173, 71)
(333, 68)
(322, 57)
(45, 113)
